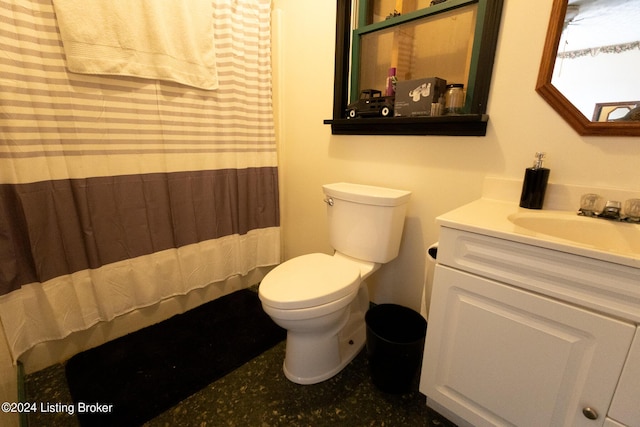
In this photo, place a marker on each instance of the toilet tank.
(366, 222)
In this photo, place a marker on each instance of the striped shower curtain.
(118, 192)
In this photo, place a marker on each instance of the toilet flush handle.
(329, 201)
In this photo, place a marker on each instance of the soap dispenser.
(535, 184)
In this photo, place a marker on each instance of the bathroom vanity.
(534, 319)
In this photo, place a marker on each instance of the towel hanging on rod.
(166, 40)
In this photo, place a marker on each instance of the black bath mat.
(145, 373)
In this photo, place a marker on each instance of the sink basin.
(600, 234)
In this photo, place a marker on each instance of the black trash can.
(395, 342)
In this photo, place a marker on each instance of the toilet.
(321, 299)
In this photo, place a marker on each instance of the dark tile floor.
(258, 394)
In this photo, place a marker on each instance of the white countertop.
(491, 217)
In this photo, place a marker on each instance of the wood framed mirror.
(562, 16)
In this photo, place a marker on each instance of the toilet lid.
(308, 281)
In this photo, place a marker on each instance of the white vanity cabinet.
(523, 335)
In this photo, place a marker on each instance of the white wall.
(442, 172)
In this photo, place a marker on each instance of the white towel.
(155, 39)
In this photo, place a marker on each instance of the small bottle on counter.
(535, 184)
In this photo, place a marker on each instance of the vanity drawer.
(603, 286)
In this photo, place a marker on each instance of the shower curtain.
(118, 192)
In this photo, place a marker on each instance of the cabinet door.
(612, 423)
(626, 402)
(499, 355)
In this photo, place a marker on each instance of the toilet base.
(312, 358)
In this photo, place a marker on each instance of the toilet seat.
(308, 281)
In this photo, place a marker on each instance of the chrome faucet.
(592, 205)
(611, 210)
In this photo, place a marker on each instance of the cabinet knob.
(590, 413)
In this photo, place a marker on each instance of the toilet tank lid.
(367, 194)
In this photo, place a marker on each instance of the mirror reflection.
(440, 45)
(598, 59)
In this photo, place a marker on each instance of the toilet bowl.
(321, 299)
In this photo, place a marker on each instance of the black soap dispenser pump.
(535, 184)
